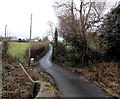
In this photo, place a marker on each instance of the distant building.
(14, 38)
(60, 39)
(36, 39)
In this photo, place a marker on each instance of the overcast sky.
(16, 14)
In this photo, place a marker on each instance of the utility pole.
(5, 31)
(29, 54)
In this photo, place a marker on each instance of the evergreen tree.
(56, 38)
(112, 25)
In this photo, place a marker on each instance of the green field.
(17, 49)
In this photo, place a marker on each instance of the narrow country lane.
(70, 84)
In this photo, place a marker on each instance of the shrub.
(65, 54)
(38, 50)
(114, 45)
(112, 30)
(5, 46)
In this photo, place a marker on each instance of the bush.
(112, 29)
(65, 54)
(92, 57)
(5, 46)
(114, 46)
(38, 50)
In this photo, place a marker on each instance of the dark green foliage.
(65, 54)
(92, 57)
(112, 23)
(20, 40)
(114, 45)
(56, 37)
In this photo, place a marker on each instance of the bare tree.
(77, 22)
(68, 24)
(90, 14)
(50, 23)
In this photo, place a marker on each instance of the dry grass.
(15, 82)
(105, 75)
